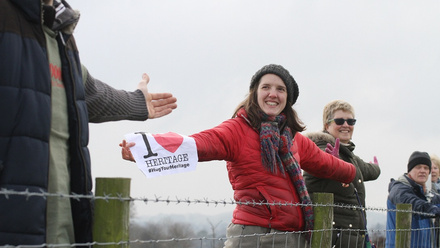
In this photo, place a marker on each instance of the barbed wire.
(201, 239)
(158, 199)
(90, 244)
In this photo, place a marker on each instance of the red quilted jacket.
(236, 142)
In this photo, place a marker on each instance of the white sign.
(163, 154)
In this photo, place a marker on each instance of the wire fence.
(377, 236)
(188, 201)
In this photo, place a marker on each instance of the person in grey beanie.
(411, 188)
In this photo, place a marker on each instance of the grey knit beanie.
(291, 85)
(417, 158)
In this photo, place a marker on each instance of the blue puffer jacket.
(405, 190)
(25, 112)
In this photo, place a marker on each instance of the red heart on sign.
(169, 141)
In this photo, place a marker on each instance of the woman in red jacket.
(265, 153)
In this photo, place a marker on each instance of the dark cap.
(417, 158)
(291, 85)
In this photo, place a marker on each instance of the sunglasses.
(340, 121)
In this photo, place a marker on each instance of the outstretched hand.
(333, 150)
(158, 104)
(126, 153)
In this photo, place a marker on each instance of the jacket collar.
(324, 137)
(32, 9)
(408, 181)
(64, 18)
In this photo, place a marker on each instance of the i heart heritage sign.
(163, 154)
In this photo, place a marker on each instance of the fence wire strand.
(6, 193)
(159, 199)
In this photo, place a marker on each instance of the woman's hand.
(126, 153)
(333, 150)
(375, 161)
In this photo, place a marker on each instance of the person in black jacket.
(338, 123)
(47, 99)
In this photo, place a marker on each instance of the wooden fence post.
(112, 216)
(403, 222)
(323, 220)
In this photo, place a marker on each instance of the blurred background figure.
(435, 173)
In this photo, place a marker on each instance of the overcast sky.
(381, 56)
